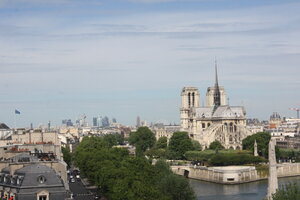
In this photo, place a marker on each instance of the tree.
(142, 139)
(262, 140)
(173, 186)
(161, 143)
(288, 192)
(67, 155)
(179, 144)
(111, 139)
(197, 146)
(216, 145)
(120, 176)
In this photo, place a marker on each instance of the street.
(80, 192)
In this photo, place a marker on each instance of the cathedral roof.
(220, 112)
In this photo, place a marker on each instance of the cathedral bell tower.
(190, 98)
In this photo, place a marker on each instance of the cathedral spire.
(217, 95)
(216, 71)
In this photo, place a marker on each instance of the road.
(80, 192)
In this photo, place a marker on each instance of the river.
(247, 191)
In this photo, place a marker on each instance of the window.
(203, 125)
(42, 197)
(41, 179)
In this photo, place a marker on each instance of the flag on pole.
(17, 112)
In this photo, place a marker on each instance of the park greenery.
(290, 191)
(289, 154)
(179, 143)
(262, 139)
(118, 175)
(142, 139)
(182, 147)
(161, 143)
(216, 145)
(223, 157)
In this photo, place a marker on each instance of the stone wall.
(234, 174)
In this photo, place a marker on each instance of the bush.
(288, 192)
(216, 145)
(207, 154)
(234, 159)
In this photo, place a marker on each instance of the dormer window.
(41, 179)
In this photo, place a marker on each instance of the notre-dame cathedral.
(216, 120)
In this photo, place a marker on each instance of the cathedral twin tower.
(214, 121)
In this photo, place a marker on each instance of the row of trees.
(120, 176)
(181, 146)
(144, 141)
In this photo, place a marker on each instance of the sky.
(60, 59)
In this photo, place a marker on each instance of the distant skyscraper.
(95, 121)
(138, 121)
(67, 122)
(105, 122)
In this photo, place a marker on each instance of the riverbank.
(248, 191)
(235, 174)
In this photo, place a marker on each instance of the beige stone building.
(215, 121)
(165, 131)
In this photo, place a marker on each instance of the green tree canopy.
(67, 155)
(142, 139)
(262, 140)
(161, 143)
(216, 145)
(288, 192)
(120, 176)
(179, 144)
(196, 145)
(173, 186)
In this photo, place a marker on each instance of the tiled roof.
(220, 112)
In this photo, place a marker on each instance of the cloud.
(154, 51)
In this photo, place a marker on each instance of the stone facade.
(216, 121)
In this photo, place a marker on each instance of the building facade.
(28, 176)
(215, 121)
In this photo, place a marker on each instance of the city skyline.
(60, 59)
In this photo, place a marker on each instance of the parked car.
(96, 197)
(72, 180)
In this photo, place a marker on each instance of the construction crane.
(296, 109)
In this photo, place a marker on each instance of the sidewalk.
(87, 184)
